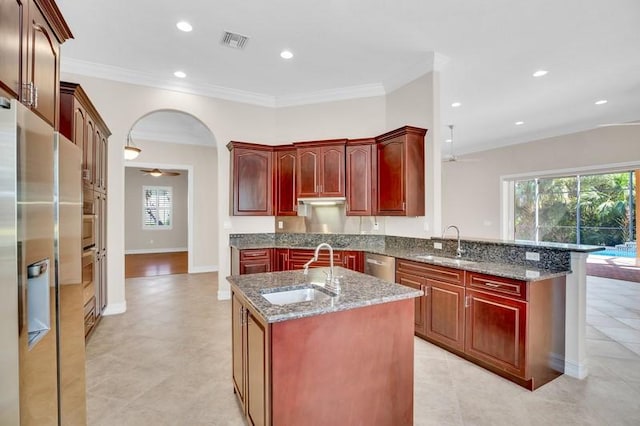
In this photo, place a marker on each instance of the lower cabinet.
(253, 261)
(249, 362)
(513, 328)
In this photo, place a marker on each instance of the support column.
(575, 362)
(637, 195)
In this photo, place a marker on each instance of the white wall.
(472, 189)
(418, 104)
(140, 240)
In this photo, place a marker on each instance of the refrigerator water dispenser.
(38, 301)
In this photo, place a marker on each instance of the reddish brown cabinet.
(31, 32)
(400, 172)
(249, 357)
(360, 170)
(513, 328)
(252, 179)
(320, 168)
(251, 261)
(285, 180)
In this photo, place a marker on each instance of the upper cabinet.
(252, 179)
(31, 32)
(360, 170)
(400, 172)
(321, 168)
(285, 180)
(82, 124)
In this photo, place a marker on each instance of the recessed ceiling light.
(184, 26)
(540, 73)
(286, 54)
(448, 140)
(601, 102)
(455, 104)
(519, 123)
(180, 74)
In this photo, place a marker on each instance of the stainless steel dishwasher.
(379, 266)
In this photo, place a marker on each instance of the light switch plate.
(531, 255)
(280, 224)
(437, 246)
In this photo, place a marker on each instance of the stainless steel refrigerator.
(42, 353)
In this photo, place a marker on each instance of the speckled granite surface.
(500, 258)
(358, 290)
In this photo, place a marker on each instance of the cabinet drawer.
(497, 285)
(89, 316)
(88, 291)
(255, 254)
(440, 273)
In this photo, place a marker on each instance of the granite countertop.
(358, 290)
(507, 270)
(523, 272)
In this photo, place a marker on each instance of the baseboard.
(577, 371)
(115, 308)
(156, 250)
(203, 269)
(224, 294)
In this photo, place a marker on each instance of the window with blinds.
(157, 207)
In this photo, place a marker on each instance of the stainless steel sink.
(445, 260)
(296, 295)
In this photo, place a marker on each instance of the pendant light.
(131, 152)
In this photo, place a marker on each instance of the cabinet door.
(308, 171)
(420, 302)
(282, 260)
(12, 45)
(391, 177)
(238, 346)
(445, 313)
(79, 124)
(353, 260)
(42, 68)
(332, 172)
(252, 182)
(87, 153)
(495, 331)
(256, 391)
(285, 163)
(358, 174)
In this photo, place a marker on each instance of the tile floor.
(166, 361)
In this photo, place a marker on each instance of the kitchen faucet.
(459, 250)
(330, 279)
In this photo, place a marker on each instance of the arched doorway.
(161, 212)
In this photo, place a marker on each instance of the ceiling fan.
(158, 173)
(452, 158)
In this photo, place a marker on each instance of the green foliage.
(604, 209)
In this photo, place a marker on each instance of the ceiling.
(486, 50)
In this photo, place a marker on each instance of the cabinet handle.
(467, 301)
(241, 310)
(426, 291)
(404, 206)
(35, 95)
(492, 285)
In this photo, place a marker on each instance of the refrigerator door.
(68, 255)
(10, 383)
(36, 271)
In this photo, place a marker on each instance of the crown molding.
(108, 72)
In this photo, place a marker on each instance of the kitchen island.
(343, 358)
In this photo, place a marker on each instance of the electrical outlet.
(280, 224)
(532, 255)
(150, 241)
(376, 226)
(437, 246)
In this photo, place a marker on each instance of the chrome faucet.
(459, 250)
(334, 285)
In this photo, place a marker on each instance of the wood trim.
(327, 142)
(402, 131)
(55, 19)
(248, 145)
(75, 90)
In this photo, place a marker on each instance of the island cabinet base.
(350, 367)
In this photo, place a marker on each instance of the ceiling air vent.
(235, 41)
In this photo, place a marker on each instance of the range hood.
(322, 201)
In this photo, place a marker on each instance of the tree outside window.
(157, 207)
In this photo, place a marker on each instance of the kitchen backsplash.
(329, 220)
